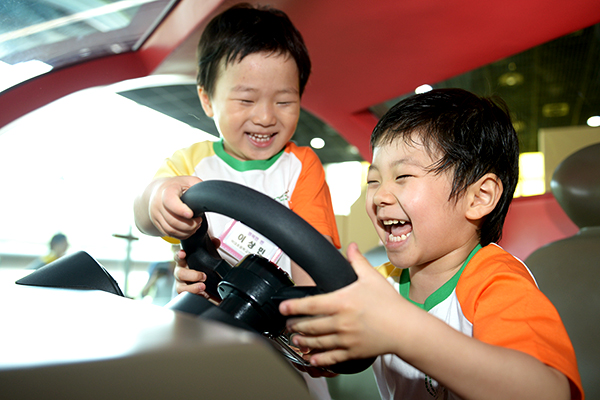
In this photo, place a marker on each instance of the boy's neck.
(426, 279)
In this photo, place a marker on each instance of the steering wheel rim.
(324, 263)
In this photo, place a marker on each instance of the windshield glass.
(37, 36)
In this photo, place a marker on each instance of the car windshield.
(37, 36)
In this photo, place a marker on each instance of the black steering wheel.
(249, 294)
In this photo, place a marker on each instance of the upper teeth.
(393, 222)
(259, 137)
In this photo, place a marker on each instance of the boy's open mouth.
(397, 230)
(260, 138)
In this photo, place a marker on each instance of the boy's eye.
(286, 102)
(372, 181)
(243, 100)
(400, 177)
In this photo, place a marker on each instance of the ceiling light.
(423, 89)
(317, 143)
(594, 121)
(519, 126)
(553, 110)
(511, 79)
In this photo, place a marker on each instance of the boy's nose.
(383, 196)
(264, 115)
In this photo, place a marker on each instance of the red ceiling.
(363, 52)
(366, 52)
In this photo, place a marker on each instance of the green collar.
(439, 295)
(240, 165)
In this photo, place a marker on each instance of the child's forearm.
(141, 211)
(476, 370)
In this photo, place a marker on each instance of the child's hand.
(306, 353)
(188, 280)
(350, 323)
(166, 210)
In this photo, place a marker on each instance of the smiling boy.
(252, 70)
(462, 318)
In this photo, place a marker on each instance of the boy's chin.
(265, 153)
(397, 255)
(398, 261)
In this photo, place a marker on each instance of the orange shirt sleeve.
(502, 301)
(311, 198)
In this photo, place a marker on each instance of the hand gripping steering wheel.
(251, 292)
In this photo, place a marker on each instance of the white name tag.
(239, 240)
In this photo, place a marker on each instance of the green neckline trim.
(439, 295)
(240, 165)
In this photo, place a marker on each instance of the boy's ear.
(205, 101)
(483, 196)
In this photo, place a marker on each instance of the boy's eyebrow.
(244, 88)
(395, 163)
(291, 90)
(405, 160)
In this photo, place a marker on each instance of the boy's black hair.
(474, 136)
(243, 30)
